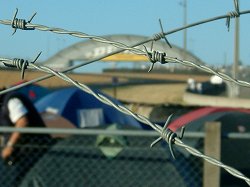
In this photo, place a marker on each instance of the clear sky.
(210, 42)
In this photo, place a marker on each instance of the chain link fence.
(100, 160)
(113, 157)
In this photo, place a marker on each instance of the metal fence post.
(212, 147)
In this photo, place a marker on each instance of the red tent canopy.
(199, 113)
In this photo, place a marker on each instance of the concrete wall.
(204, 100)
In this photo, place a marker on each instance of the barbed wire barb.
(166, 132)
(164, 128)
(20, 64)
(159, 36)
(154, 56)
(233, 14)
(150, 60)
(36, 58)
(20, 23)
(236, 6)
(165, 38)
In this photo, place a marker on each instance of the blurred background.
(196, 98)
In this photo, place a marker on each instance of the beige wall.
(10, 77)
(216, 101)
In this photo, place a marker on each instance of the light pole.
(236, 54)
(184, 5)
(184, 24)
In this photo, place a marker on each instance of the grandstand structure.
(90, 49)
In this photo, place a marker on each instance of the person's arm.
(8, 150)
(18, 117)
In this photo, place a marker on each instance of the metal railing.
(103, 157)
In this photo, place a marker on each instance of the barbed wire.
(144, 120)
(210, 70)
(154, 56)
(163, 59)
(23, 25)
(165, 133)
(26, 25)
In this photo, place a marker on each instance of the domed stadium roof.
(89, 50)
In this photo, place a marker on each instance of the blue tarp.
(34, 92)
(69, 102)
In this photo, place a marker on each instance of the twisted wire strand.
(98, 96)
(213, 161)
(155, 56)
(150, 39)
(77, 34)
(144, 120)
(79, 85)
(208, 70)
(87, 36)
(232, 14)
(65, 70)
(158, 36)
